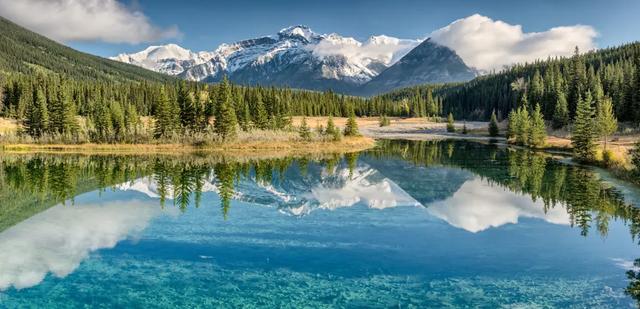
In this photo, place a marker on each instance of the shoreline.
(244, 148)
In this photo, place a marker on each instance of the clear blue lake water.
(407, 224)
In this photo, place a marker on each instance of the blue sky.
(203, 25)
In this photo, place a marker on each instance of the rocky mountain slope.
(300, 58)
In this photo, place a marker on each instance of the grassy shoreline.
(239, 148)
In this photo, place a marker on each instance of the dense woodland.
(48, 105)
(555, 84)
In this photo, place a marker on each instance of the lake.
(406, 224)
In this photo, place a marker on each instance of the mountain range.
(297, 57)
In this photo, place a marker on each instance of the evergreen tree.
(522, 125)
(494, 131)
(450, 123)
(464, 128)
(102, 123)
(513, 123)
(225, 116)
(37, 121)
(351, 129)
(261, 119)
(244, 117)
(606, 120)
(164, 118)
(64, 119)
(561, 113)
(537, 130)
(578, 81)
(305, 132)
(536, 91)
(118, 119)
(635, 89)
(331, 127)
(187, 105)
(584, 131)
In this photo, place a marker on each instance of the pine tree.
(261, 119)
(65, 114)
(450, 124)
(351, 129)
(578, 83)
(513, 123)
(244, 117)
(102, 123)
(187, 105)
(225, 116)
(635, 89)
(164, 118)
(118, 120)
(584, 131)
(493, 125)
(561, 113)
(305, 132)
(331, 127)
(37, 121)
(464, 128)
(606, 120)
(537, 130)
(522, 126)
(536, 91)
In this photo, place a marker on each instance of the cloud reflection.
(57, 240)
(478, 206)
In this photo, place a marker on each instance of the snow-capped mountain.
(295, 57)
(169, 59)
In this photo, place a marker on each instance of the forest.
(556, 84)
(108, 111)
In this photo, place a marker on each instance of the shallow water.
(424, 224)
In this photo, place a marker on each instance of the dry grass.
(264, 147)
(8, 126)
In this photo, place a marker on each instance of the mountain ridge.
(297, 57)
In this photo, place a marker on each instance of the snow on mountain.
(296, 56)
(169, 59)
(298, 196)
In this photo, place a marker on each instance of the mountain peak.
(299, 31)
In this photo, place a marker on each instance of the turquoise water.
(409, 224)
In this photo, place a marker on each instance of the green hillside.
(23, 51)
(612, 73)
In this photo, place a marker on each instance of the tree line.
(53, 105)
(556, 84)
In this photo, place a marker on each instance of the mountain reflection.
(470, 186)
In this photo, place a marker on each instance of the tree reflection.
(32, 183)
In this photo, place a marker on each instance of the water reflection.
(59, 238)
(473, 187)
(501, 185)
(479, 205)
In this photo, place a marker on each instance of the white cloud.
(380, 48)
(477, 206)
(85, 20)
(488, 44)
(57, 240)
